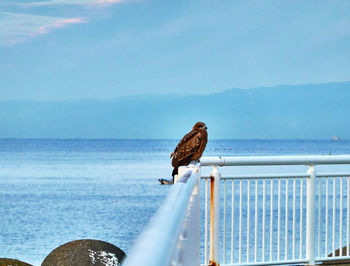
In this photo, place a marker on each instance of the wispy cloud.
(18, 27)
(108, 2)
(76, 2)
(59, 24)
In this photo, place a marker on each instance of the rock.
(85, 252)
(338, 262)
(12, 262)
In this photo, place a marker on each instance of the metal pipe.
(214, 216)
(284, 175)
(326, 225)
(310, 216)
(271, 219)
(224, 236)
(337, 258)
(240, 222)
(256, 222)
(319, 218)
(232, 219)
(294, 199)
(341, 218)
(348, 215)
(206, 223)
(286, 224)
(279, 219)
(301, 218)
(248, 220)
(278, 262)
(263, 222)
(275, 160)
(333, 221)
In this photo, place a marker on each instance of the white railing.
(269, 219)
(172, 237)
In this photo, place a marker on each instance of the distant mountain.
(305, 111)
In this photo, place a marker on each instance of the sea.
(53, 191)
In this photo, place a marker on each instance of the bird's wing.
(186, 148)
(183, 141)
(202, 145)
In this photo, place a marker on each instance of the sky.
(103, 49)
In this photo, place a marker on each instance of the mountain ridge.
(317, 111)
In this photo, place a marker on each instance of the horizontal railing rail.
(290, 175)
(167, 238)
(275, 160)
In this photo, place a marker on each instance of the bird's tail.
(175, 172)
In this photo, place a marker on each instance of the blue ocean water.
(56, 191)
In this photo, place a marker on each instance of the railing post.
(310, 216)
(214, 216)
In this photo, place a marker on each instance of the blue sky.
(77, 49)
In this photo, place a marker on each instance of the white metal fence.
(264, 219)
(172, 237)
(277, 218)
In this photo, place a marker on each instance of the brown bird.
(191, 147)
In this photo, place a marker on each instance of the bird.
(190, 147)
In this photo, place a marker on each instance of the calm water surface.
(56, 191)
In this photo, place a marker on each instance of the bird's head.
(199, 125)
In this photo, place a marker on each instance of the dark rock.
(163, 181)
(84, 253)
(338, 262)
(12, 262)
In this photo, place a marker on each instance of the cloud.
(76, 2)
(59, 24)
(18, 27)
(108, 2)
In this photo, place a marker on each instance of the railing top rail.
(275, 160)
(157, 242)
(282, 175)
